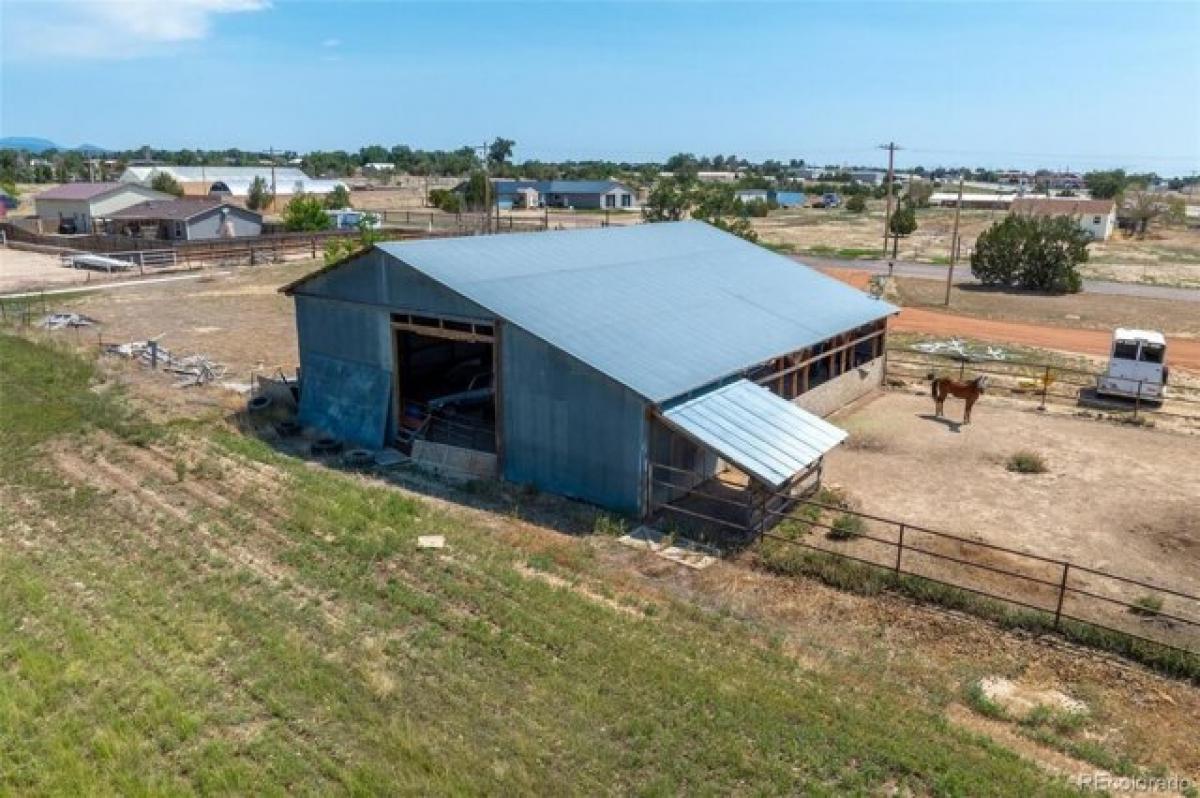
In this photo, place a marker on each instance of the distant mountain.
(37, 146)
(27, 143)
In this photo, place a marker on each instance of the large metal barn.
(633, 367)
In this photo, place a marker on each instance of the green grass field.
(184, 610)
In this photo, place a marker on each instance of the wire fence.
(1051, 383)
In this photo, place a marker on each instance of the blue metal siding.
(567, 428)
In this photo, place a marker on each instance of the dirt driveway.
(1119, 499)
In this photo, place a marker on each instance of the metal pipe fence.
(1060, 589)
(1047, 382)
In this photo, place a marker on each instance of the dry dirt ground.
(238, 319)
(1115, 498)
(1167, 255)
(34, 271)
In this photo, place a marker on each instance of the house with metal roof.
(232, 181)
(72, 207)
(187, 219)
(626, 366)
(579, 194)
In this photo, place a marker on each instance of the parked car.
(830, 200)
(67, 227)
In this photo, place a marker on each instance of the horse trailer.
(1137, 366)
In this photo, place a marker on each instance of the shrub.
(445, 200)
(1026, 462)
(1034, 252)
(1147, 606)
(162, 181)
(857, 203)
(338, 198)
(305, 212)
(846, 527)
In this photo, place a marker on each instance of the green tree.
(162, 181)
(904, 221)
(478, 191)
(1106, 184)
(338, 198)
(338, 248)
(305, 212)
(856, 204)
(1040, 253)
(445, 200)
(259, 195)
(668, 201)
(500, 150)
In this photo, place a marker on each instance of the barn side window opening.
(445, 381)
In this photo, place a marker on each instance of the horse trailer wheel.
(260, 402)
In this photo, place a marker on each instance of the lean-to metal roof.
(764, 436)
(663, 308)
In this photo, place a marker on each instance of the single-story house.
(72, 207)
(190, 219)
(784, 199)
(580, 194)
(972, 201)
(1097, 217)
(623, 365)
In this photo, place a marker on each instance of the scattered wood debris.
(191, 369)
(60, 321)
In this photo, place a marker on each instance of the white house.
(1097, 217)
(71, 207)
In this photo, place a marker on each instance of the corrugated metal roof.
(661, 308)
(79, 191)
(177, 209)
(238, 178)
(764, 436)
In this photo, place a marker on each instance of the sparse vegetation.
(1147, 606)
(157, 639)
(846, 527)
(1026, 462)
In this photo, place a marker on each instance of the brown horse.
(968, 391)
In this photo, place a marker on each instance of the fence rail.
(1060, 589)
(1046, 382)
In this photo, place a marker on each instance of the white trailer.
(1137, 366)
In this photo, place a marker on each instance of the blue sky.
(1052, 84)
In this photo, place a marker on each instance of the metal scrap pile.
(191, 369)
(59, 321)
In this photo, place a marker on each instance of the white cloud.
(111, 29)
(332, 43)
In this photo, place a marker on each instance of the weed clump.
(1026, 462)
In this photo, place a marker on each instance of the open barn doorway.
(445, 382)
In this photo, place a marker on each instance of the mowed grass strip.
(297, 641)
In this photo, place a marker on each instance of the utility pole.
(954, 240)
(887, 219)
(486, 211)
(273, 193)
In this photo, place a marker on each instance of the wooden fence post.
(962, 367)
(1045, 386)
(1062, 592)
(899, 549)
(1137, 400)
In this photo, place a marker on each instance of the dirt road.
(1181, 353)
